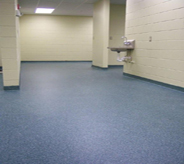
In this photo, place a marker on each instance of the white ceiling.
(62, 7)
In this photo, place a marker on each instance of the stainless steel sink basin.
(128, 45)
(120, 49)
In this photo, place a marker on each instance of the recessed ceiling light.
(44, 10)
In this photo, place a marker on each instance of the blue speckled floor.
(71, 113)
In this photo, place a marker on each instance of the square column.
(101, 33)
(9, 44)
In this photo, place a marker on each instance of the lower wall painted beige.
(158, 28)
(56, 38)
(0, 60)
(117, 30)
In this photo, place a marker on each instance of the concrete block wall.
(116, 31)
(56, 38)
(9, 42)
(0, 60)
(158, 28)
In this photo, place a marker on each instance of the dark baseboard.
(6, 88)
(99, 67)
(115, 66)
(54, 61)
(155, 82)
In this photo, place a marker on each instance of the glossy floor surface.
(72, 113)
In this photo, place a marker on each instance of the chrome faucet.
(125, 41)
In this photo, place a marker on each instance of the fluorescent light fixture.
(44, 10)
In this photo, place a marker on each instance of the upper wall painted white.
(101, 33)
(56, 38)
(117, 30)
(162, 58)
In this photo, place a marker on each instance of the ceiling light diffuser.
(44, 10)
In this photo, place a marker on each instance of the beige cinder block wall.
(0, 59)
(101, 33)
(161, 59)
(117, 30)
(0, 55)
(9, 43)
(56, 38)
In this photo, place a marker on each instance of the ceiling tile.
(48, 4)
(28, 4)
(67, 6)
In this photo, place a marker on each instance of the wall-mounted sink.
(128, 45)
